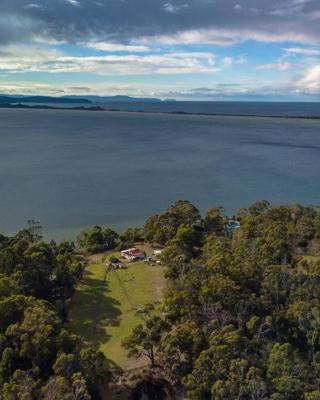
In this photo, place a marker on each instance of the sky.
(181, 49)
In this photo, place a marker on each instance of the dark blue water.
(73, 169)
(281, 109)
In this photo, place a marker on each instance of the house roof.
(132, 252)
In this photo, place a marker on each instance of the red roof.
(133, 253)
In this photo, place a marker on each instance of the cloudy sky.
(184, 49)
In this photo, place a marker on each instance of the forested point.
(239, 318)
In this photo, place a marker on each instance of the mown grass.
(104, 307)
(311, 258)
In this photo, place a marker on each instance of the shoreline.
(99, 108)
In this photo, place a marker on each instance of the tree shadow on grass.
(113, 366)
(94, 310)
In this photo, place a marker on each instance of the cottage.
(133, 254)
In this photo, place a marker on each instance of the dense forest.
(239, 320)
(240, 317)
(40, 359)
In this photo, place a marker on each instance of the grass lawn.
(312, 258)
(104, 307)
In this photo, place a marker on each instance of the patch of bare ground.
(314, 248)
(147, 247)
(96, 258)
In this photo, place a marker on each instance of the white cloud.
(307, 85)
(303, 51)
(17, 59)
(223, 37)
(241, 60)
(310, 82)
(114, 47)
(73, 2)
(170, 8)
(218, 90)
(280, 66)
(102, 89)
(227, 61)
(32, 5)
(16, 56)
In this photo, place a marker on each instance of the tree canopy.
(241, 314)
(39, 359)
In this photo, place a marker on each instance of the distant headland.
(115, 104)
(9, 99)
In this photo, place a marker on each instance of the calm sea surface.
(73, 169)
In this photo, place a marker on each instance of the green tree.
(144, 339)
(21, 386)
(163, 227)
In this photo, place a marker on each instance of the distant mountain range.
(9, 99)
(118, 99)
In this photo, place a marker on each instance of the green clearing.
(311, 258)
(104, 307)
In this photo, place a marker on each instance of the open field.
(104, 308)
(312, 258)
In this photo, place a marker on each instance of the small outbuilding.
(231, 226)
(116, 265)
(157, 252)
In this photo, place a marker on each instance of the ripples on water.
(72, 169)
